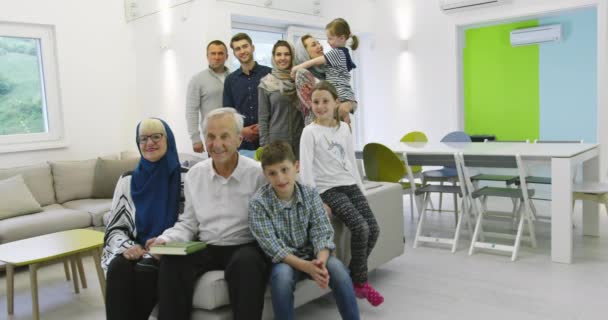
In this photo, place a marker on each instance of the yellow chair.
(592, 191)
(258, 153)
(415, 136)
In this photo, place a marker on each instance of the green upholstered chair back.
(382, 164)
(258, 153)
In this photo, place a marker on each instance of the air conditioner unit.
(548, 33)
(457, 5)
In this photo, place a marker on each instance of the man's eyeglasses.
(156, 137)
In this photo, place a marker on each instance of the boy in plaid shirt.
(289, 222)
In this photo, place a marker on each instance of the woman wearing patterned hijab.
(279, 116)
(145, 203)
(307, 47)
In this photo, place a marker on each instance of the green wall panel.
(501, 84)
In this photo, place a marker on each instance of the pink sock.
(365, 290)
(361, 290)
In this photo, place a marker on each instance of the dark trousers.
(130, 292)
(246, 270)
(349, 205)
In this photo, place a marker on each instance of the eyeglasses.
(155, 137)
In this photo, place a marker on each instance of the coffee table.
(34, 251)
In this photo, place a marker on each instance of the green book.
(179, 248)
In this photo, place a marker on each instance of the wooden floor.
(425, 283)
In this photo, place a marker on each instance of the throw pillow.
(107, 173)
(73, 179)
(16, 199)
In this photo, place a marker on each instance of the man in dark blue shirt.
(241, 88)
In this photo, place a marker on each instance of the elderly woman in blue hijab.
(145, 203)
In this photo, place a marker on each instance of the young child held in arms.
(338, 65)
(328, 163)
(290, 224)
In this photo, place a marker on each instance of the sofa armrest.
(386, 202)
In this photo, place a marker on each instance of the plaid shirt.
(302, 229)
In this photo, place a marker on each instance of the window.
(30, 116)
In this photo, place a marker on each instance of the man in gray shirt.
(205, 91)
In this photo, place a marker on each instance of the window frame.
(54, 136)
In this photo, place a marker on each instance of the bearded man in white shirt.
(217, 193)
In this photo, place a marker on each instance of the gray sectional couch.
(66, 193)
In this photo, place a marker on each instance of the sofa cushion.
(97, 208)
(107, 173)
(73, 179)
(52, 218)
(16, 199)
(38, 179)
(211, 291)
(129, 154)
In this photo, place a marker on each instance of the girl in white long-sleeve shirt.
(327, 161)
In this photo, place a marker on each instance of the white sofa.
(211, 301)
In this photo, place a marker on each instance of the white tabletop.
(528, 150)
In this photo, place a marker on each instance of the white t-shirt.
(327, 157)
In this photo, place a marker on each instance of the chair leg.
(421, 219)
(457, 232)
(466, 210)
(531, 230)
(484, 208)
(411, 206)
(455, 204)
(477, 229)
(440, 196)
(520, 229)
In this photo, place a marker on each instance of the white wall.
(163, 75)
(113, 74)
(96, 73)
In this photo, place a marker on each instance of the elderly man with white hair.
(217, 193)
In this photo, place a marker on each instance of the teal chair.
(382, 164)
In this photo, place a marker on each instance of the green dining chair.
(382, 164)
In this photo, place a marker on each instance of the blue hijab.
(155, 190)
